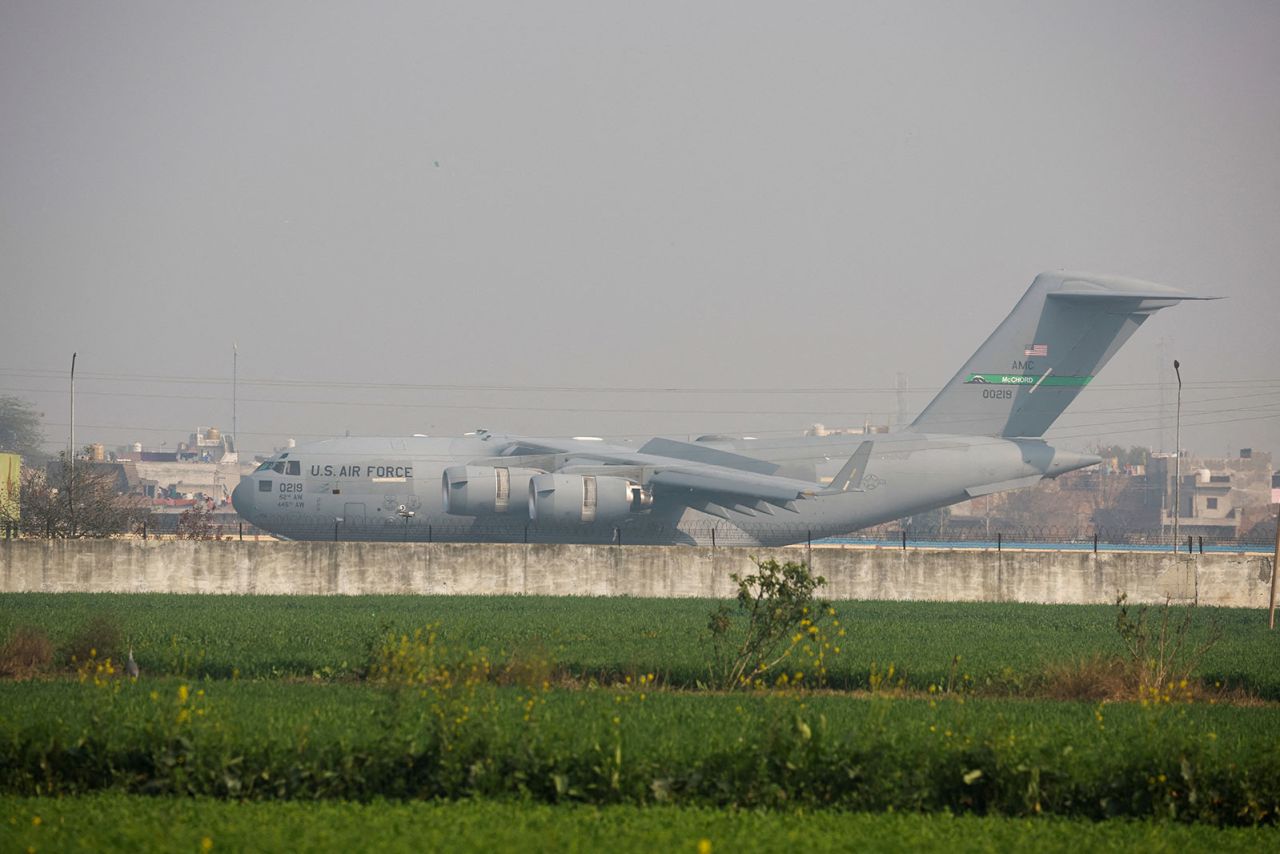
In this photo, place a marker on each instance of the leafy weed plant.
(1162, 654)
(778, 613)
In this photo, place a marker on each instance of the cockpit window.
(266, 466)
(294, 467)
(278, 467)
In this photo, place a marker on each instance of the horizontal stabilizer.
(1004, 486)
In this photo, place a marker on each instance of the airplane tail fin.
(1053, 343)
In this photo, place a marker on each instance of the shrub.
(777, 612)
(27, 652)
(1163, 657)
(529, 666)
(1095, 678)
(99, 638)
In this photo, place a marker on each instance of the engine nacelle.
(483, 490)
(572, 499)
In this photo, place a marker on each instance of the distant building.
(203, 470)
(1220, 498)
(1215, 495)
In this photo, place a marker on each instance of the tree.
(20, 431)
(79, 502)
(1136, 455)
(929, 522)
(196, 523)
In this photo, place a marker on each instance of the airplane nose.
(240, 499)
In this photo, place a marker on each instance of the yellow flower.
(704, 846)
(35, 821)
(183, 693)
(206, 844)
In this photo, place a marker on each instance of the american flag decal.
(1041, 350)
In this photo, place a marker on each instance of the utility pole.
(235, 372)
(1177, 457)
(71, 453)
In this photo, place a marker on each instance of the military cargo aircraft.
(980, 435)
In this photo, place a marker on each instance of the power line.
(280, 382)
(603, 409)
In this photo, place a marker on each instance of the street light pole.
(235, 375)
(71, 454)
(1177, 457)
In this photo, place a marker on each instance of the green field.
(99, 823)
(275, 740)
(575, 723)
(1004, 648)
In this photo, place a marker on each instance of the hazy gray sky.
(378, 200)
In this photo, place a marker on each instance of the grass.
(1004, 649)
(124, 823)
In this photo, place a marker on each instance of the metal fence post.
(1095, 542)
(1201, 544)
(713, 537)
(999, 542)
(904, 539)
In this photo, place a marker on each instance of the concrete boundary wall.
(131, 566)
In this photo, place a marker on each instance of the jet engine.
(582, 499)
(482, 490)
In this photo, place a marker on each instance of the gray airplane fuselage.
(366, 488)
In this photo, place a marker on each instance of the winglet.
(850, 476)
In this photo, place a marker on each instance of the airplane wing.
(690, 472)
